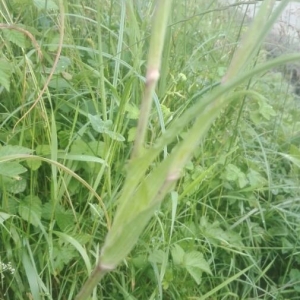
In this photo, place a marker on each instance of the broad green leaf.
(48, 210)
(80, 147)
(14, 186)
(5, 73)
(266, 110)
(77, 245)
(233, 173)
(177, 254)
(4, 216)
(195, 259)
(43, 150)
(295, 275)
(256, 179)
(34, 164)
(98, 124)
(97, 148)
(13, 150)
(157, 256)
(63, 63)
(59, 83)
(11, 169)
(104, 127)
(195, 273)
(295, 278)
(15, 37)
(64, 219)
(63, 253)
(132, 111)
(30, 210)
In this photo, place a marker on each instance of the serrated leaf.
(133, 111)
(256, 179)
(11, 169)
(14, 186)
(233, 173)
(5, 73)
(30, 210)
(98, 124)
(64, 219)
(195, 259)
(104, 127)
(13, 150)
(177, 254)
(157, 256)
(266, 110)
(47, 211)
(195, 273)
(62, 254)
(16, 37)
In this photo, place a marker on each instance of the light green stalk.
(142, 194)
(154, 62)
(108, 261)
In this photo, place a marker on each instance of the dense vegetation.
(71, 84)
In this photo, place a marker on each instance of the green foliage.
(230, 227)
(5, 73)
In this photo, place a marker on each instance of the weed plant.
(74, 178)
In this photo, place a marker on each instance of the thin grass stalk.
(152, 76)
(254, 37)
(118, 55)
(101, 84)
(142, 195)
(153, 68)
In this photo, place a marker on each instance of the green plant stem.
(101, 85)
(254, 37)
(152, 75)
(97, 274)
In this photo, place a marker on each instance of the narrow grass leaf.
(77, 246)
(83, 157)
(223, 284)
(32, 276)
